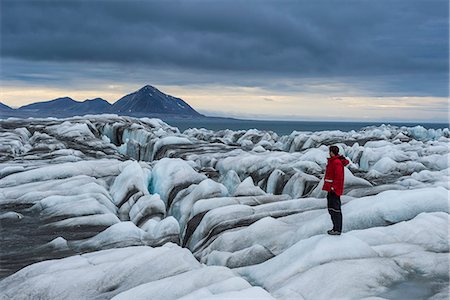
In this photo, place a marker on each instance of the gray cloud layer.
(324, 38)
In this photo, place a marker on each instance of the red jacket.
(334, 175)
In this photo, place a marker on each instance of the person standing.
(334, 185)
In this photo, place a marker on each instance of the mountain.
(68, 106)
(97, 105)
(4, 107)
(149, 100)
(57, 105)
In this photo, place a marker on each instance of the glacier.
(115, 207)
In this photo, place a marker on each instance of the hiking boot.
(333, 232)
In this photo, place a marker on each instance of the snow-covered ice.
(103, 206)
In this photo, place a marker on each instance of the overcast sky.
(300, 60)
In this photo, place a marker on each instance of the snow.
(315, 251)
(274, 181)
(132, 179)
(65, 170)
(121, 234)
(181, 208)
(211, 203)
(248, 188)
(94, 220)
(34, 192)
(167, 174)
(357, 256)
(71, 130)
(71, 205)
(10, 216)
(170, 140)
(147, 207)
(127, 273)
(167, 228)
(213, 282)
(296, 185)
(98, 207)
(231, 181)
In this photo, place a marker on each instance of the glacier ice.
(104, 206)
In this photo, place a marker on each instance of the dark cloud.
(82, 75)
(298, 39)
(301, 37)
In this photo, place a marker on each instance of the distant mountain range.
(147, 101)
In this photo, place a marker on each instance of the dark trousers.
(334, 208)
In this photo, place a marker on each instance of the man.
(334, 185)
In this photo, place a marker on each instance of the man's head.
(334, 150)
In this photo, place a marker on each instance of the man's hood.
(343, 160)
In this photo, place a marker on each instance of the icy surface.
(128, 273)
(102, 207)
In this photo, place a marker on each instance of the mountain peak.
(150, 100)
(147, 87)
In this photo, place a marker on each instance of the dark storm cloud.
(303, 37)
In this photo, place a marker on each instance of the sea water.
(286, 127)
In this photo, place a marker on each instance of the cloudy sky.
(295, 60)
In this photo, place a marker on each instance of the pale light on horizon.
(258, 103)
